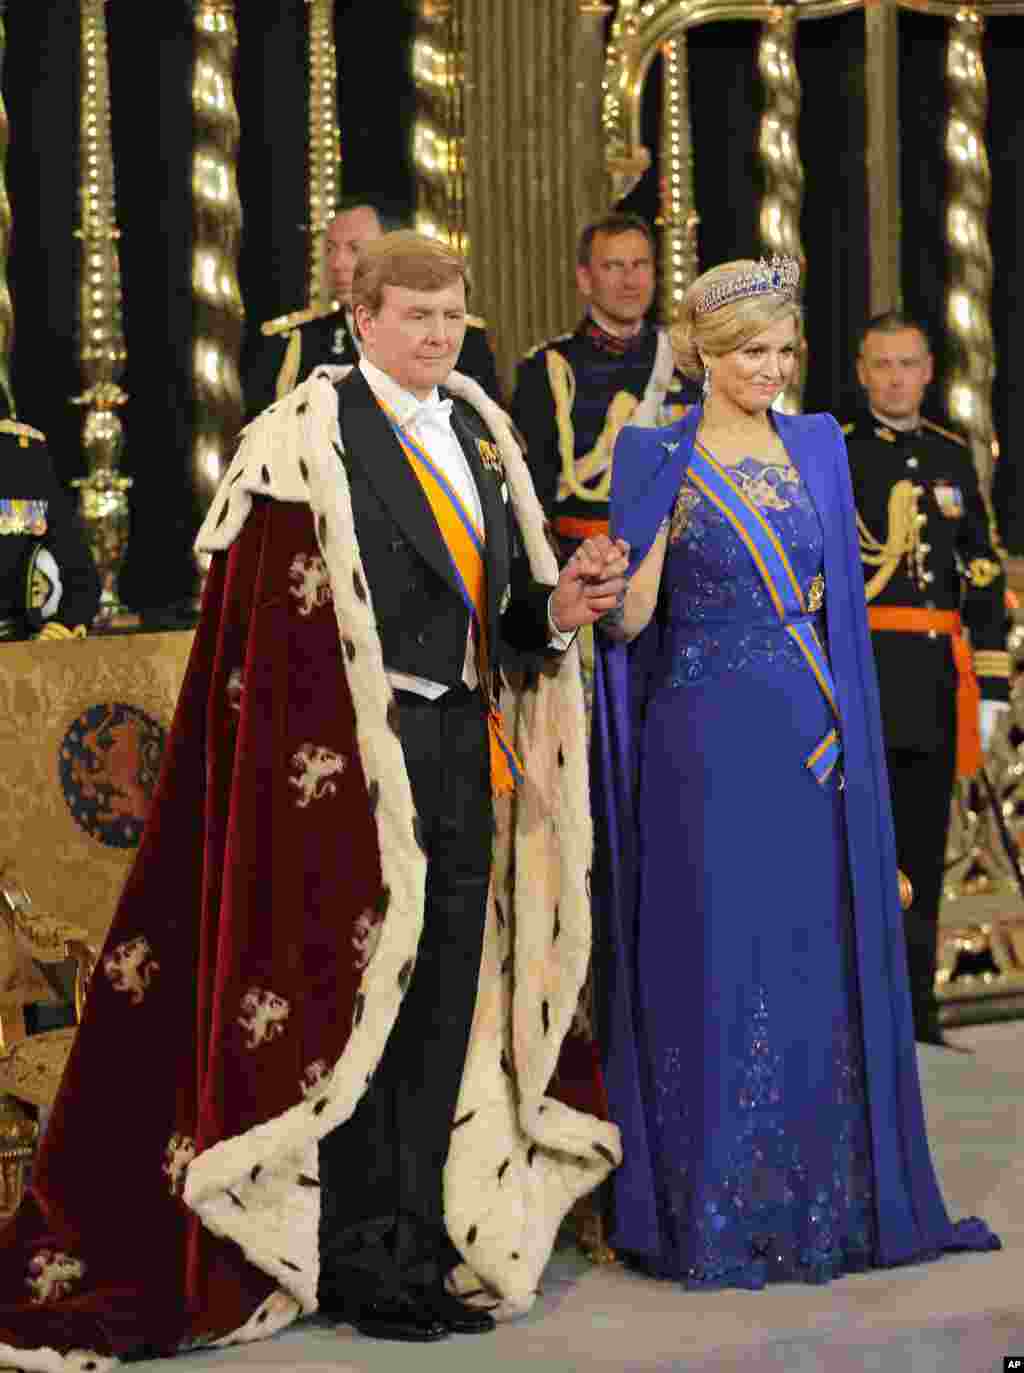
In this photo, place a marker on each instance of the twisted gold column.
(6, 308)
(969, 297)
(679, 218)
(881, 80)
(217, 223)
(324, 139)
(779, 153)
(592, 188)
(103, 494)
(438, 135)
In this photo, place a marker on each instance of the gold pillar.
(6, 308)
(103, 494)
(969, 296)
(438, 132)
(593, 188)
(324, 140)
(779, 151)
(217, 226)
(881, 21)
(679, 218)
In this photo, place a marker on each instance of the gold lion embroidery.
(52, 1274)
(316, 766)
(179, 1153)
(131, 968)
(366, 936)
(312, 584)
(263, 1016)
(317, 1075)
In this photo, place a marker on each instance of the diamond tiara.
(779, 276)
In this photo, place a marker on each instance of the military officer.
(575, 392)
(930, 569)
(302, 340)
(49, 588)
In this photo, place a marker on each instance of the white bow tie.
(432, 412)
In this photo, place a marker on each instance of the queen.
(758, 1034)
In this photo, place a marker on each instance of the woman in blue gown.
(757, 1030)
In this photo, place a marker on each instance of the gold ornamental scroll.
(678, 219)
(217, 227)
(969, 294)
(324, 165)
(6, 307)
(437, 140)
(779, 154)
(103, 494)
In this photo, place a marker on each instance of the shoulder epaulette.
(475, 322)
(946, 433)
(538, 347)
(284, 323)
(21, 431)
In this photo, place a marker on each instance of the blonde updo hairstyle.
(730, 326)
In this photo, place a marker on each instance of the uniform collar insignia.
(883, 431)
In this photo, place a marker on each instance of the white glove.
(989, 713)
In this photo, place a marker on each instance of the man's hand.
(592, 582)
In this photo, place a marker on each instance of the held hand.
(592, 582)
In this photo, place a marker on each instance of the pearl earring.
(706, 384)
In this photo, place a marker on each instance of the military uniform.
(47, 574)
(303, 340)
(929, 565)
(573, 395)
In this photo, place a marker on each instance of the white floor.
(960, 1315)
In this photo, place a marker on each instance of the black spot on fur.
(360, 1007)
(530, 1155)
(262, 1317)
(588, 884)
(541, 1110)
(500, 913)
(561, 757)
(293, 1266)
(237, 1202)
(373, 796)
(265, 475)
(304, 1180)
(513, 1255)
(393, 716)
(417, 834)
(320, 1105)
(223, 514)
(254, 1174)
(405, 973)
(506, 1067)
(463, 1120)
(557, 929)
(338, 448)
(606, 1154)
(384, 900)
(503, 1169)
(471, 1236)
(304, 469)
(239, 473)
(321, 529)
(506, 964)
(545, 1016)
(358, 587)
(302, 407)
(350, 650)
(473, 1292)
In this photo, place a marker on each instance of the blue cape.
(912, 1221)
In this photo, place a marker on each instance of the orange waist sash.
(572, 528)
(912, 619)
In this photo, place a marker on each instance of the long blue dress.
(759, 1049)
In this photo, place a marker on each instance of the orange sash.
(910, 619)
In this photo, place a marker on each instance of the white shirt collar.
(401, 402)
(902, 426)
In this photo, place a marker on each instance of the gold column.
(881, 25)
(324, 140)
(6, 308)
(103, 494)
(217, 226)
(679, 218)
(969, 296)
(438, 132)
(779, 153)
(593, 188)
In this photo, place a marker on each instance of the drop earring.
(706, 385)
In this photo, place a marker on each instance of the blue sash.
(762, 543)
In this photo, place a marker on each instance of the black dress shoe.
(455, 1314)
(400, 1319)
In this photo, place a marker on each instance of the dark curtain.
(150, 64)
